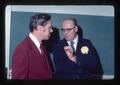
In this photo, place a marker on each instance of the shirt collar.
(75, 41)
(35, 40)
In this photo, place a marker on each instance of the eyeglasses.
(66, 29)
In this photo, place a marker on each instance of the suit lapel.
(34, 50)
(79, 45)
(78, 51)
(64, 43)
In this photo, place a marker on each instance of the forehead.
(68, 23)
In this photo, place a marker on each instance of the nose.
(65, 33)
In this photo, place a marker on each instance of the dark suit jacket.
(28, 63)
(89, 64)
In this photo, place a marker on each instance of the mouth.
(66, 37)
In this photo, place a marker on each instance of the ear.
(76, 28)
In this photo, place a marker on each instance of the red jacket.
(28, 63)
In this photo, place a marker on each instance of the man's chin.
(67, 39)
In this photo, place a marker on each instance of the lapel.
(78, 51)
(44, 48)
(33, 49)
(64, 43)
(38, 58)
(79, 45)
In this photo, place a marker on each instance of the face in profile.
(47, 30)
(69, 29)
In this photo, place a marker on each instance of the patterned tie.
(77, 58)
(71, 44)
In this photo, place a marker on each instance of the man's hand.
(69, 53)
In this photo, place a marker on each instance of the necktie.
(42, 49)
(71, 44)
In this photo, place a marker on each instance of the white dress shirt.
(35, 41)
(75, 42)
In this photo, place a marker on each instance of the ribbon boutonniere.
(84, 50)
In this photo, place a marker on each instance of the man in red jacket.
(30, 56)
